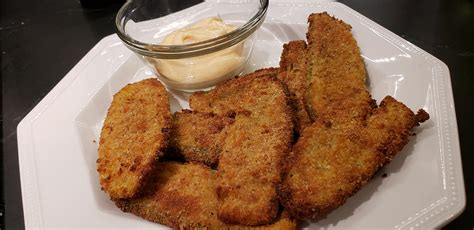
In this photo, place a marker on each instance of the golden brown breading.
(255, 145)
(182, 196)
(197, 137)
(284, 222)
(390, 125)
(337, 91)
(230, 96)
(134, 136)
(331, 164)
(350, 139)
(292, 72)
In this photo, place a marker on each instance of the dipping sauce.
(206, 67)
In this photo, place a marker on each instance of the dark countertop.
(42, 40)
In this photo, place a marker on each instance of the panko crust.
(232, 96)
(198, 137)
(182, 196)
(337, 92)
(293, 72)
(255, 145)
(134, 136)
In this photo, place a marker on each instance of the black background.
(42, 40)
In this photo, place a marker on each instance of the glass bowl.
(191, 48)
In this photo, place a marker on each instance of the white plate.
(57, 140)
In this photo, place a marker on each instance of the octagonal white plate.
(423, 189)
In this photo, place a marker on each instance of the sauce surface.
(205, 67)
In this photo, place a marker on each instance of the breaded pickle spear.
(133, 138)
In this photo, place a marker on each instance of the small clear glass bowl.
(142, 25)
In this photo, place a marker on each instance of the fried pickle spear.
(134, 136)
(182, 196)
(331, 164)
(350, 139)
(255, 145)
(197, 137)
(292, 72)
(337, 92)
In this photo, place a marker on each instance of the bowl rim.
(193, 49)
